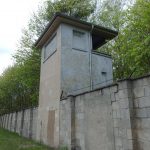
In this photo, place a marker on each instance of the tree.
(132, 47)
(19, 85)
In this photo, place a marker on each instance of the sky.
(14, 16)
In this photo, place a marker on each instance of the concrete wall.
(94, 121)
(82, 69)
(23, 122)
(116, 117)
(49, 96)
(75, 62)
(141, 113)
(102, 73)
(66, 68)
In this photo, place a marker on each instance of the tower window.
(79, 40)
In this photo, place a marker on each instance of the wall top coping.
(116, 83)
(132, 79)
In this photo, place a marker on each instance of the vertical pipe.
(90, 58)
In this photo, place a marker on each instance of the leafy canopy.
(19, 85)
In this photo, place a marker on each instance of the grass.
(12, 141)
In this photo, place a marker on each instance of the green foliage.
(63, 148)
(132, 47)
(76, 8)
(17, 89)
(110, 13)
(12, 141)
(19, 85)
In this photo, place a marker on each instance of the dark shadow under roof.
(100, 35)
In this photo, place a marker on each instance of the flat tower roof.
(100, 34)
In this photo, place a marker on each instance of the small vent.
(78, 33)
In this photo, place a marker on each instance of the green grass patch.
(12, 141)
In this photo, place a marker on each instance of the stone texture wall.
(141, 113)
(23, 122)
(116, 117)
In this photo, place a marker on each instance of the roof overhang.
(100, 35)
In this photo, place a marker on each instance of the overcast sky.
(14, 15)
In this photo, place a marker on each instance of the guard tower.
(69, 65)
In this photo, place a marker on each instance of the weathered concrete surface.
(49, 96)
(66, 68)
(100, 120)
(21, 122)
(116, 117)
(141, 113)
(75, 61)
(81, 69)
(65, 123)
(26, 123)
(93, 118)
(101, 70)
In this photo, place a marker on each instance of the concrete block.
(141, 112)
(116, 114)
(118, 141)
(118, 147)
(125, 93)
(144, 102)
(124, 103)
(144, 134)
(147, 90)
(80, 116)
(6, 121)
(114, 89)
(116, 131)
(125, 123)
(146, 81)
(137, 123)
(146, 145)
(117, 97)
(130, 144)
(26, 123)
(131, 102)
(138, 83)
(148, 112)
(138, 92)
(113, 98)
(125, 144)
(129, 134)
(122, 132)
(34, 123)
(125, 114)
(106, 91)
(123, 85)
(116, 123)
(115, 106)
(96, 93)
(136, 103)
(145, 123)
(13, 122)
